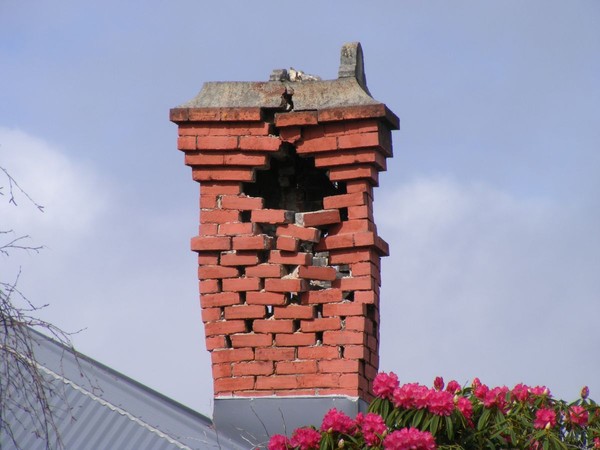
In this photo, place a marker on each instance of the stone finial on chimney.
(288, 250)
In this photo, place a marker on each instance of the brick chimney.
(288, 250)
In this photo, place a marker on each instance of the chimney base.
(254, 420)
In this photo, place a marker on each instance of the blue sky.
(491, 204)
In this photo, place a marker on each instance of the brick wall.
(288, 250)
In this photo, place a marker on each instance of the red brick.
(352, 256)
(219, 216)
(220, 299)
(241, 202)
(232, 355)
(294, 367)
(367, 297)
(208, 201)
(204, 173)
(323, 144)
(316, 218)
(211, 314)
(361, 126)
(359, 323)
(345, 200)
(335, 241)
(317, 273)
(322, 296)
(204, 159)
(289, 258)
(364, 268)
(339, 366)
(224, 327)
(244, 159)
(296, 118)
(349, 380)
(238, 228)
(241, 284)
(186, 143)
(203, 114)
(326, 380)
(258, 242)
(221, 370)
(245, 312)
(356, 352)
(287, 243)
(273, 216)
(351, 157)
(352, 226)
(360, 212)
(208, 229)
(239, 258)
(276, 382)
(295, 339)
(239, 129)
(335, 129)
(359, 186)
(253, 368)
(322, 324)
(359, 140)
(251, 340)
(353, 283)
(220, 187)
(209, 286)
(343, 337)
(217, 142)
(240, 114)
(343, 173)
(179, 115)
(285, 285)
(273, 326)
(303, 233)
(215, 342)
(206, 272)
(347, 113)
(344, 309)
(203, 243)
(266, 271)
(260, 143)
(209, 259)
(265, 298)
(275, 354)
(319, 352)
(290, 134)
(228, 384)
(294, 312)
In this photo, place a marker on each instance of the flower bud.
(341, 443)
(585, 391)
(438, 383)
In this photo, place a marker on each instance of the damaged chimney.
(288, 250)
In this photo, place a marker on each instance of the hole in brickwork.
(269, 311)
(292, 183)
(344, 214)
(293, 299)
(319, 337)
(249, 324)
(319, 310)
(222, 313)
(228, 342)
(371, 312)
(243, 296)
(245, 216)
(296, 325)
(348, 295)
(342, 350)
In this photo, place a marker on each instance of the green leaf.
(449, 428)
(434, 425)
(482, 422)
(418, 418)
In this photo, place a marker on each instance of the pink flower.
(372, 427)
(585, 391)
(384, 385)
(465, 407)
(278, 442)
(520, 393)
(337, 421)
(540, 391)
(306, 439)
(496, 397)
(453, 387)
(411, 395)
(578, 416)
(544, 418)
(475, 383)
(480, 390)
(409, 439)
(597, 442)
(438, 383)
(440, 403)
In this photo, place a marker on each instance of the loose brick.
(220, 187)
(238, 228)
(296, 118)
(344, 309)
(317, 273)
(260, 143)
(318, 218)
(207, 173)
(360, 212)
(224, 327)
(241, 284)
(245, 159)
(273, 326)
(228, 384)
(354, 283)
(203, 243)
(345, 200)
(273, 216)
(232, 355)
(323, 144)
(239, 258)
(351, 157)
(303, 233)
(322, 324)
(343, 173)
(352, 256)
(336, 241)
(209, 259)
(359, 186)
(339, 366)
(352, 226)
(265, 298)
(290, 134)
(294, 312)
(275, 354)
(214, 342)
(266, 271)
(367, 297)
(245, 312)
(251, 340)
(343, 337)
(211, 314)
(276, 382)
(207, 272)
(219, 216)
(289, 258)
(209, 286)
(220, 299)
(285, 285)
(294, 367)
(241, 202)
(217, 142)
(295, 339)
(319, 352)
(322, 296)
(258, 242)
(287, 243)
(253, 368)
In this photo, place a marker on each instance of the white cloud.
(486, 284)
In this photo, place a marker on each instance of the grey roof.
(95, 407)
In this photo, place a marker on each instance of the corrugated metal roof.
(95, 407)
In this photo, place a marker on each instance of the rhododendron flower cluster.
(385, 384)
(578, 416)
(306, 439)
(409, 439)
(337, 422)
(372, 427)
(544, 418)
